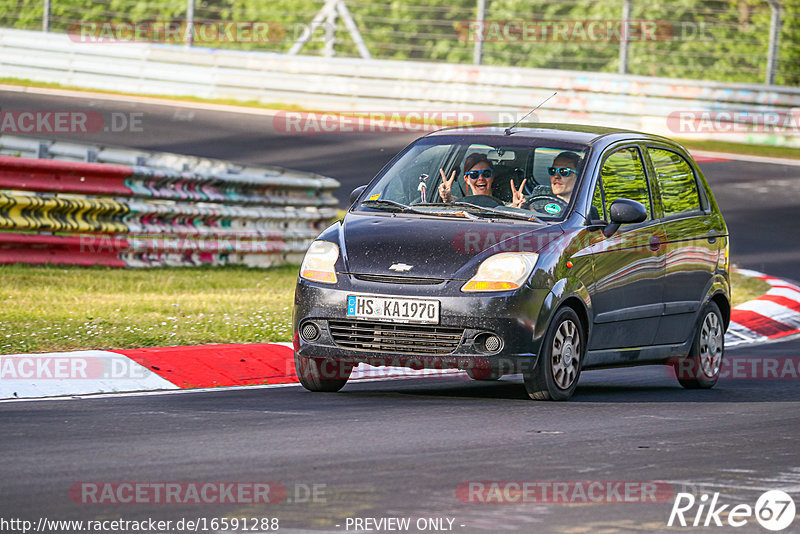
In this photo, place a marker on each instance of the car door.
(692, 242)
(629, 265)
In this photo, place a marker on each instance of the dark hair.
(475, 158)
(572, 157)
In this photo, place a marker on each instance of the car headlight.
(502, 272)
(319, 261)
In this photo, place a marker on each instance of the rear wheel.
(321, 374)
(558, 368)
(700, 369)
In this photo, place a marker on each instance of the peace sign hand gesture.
(519, 196)
(446, 187)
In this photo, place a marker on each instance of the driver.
(563, 174)
(478, 175)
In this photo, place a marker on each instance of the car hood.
(433, 247)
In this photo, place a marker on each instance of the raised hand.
(446, 187)
(518, 195)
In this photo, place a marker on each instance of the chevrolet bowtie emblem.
(400, 267)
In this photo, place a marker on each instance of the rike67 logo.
(774, 510)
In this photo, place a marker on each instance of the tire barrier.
(77, 213)
(43, 214)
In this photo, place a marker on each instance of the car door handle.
(712, 236)
(655, 243)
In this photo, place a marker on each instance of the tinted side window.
(676, 180)
(623, 177)
(597, 211)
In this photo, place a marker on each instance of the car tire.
(558, 368)
(313, 373)
(700, 369)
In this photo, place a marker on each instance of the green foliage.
(725, 40)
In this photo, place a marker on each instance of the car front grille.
(393, 337)
(389, 279)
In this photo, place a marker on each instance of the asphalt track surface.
(401, 448)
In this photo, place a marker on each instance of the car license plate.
(401, 310)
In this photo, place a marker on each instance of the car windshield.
(491, 176)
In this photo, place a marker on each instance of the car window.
(623, 177)
(597, 211)
(676, 181)
(420, 162)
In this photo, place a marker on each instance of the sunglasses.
(473, 175)
(562, 171)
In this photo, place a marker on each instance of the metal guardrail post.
(774, 37)
(189, 22)
(351, 26)
(624, 38)
(315, 23)
(46, 16)
(328, 13)
(477, 54)
(329, 49)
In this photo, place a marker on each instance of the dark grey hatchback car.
(544, 250)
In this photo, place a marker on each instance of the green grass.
(745, 288)
(69, 308)
(50, 308)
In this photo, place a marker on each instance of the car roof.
(573, 133)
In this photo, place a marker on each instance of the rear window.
(676, 181)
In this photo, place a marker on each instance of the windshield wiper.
(502, 213)
(382, 202)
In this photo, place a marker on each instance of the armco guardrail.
(637, 102)
(134, 209)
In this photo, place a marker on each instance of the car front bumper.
(466, 318)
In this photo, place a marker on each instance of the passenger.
(478, 175)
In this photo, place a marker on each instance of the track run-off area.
(411, 448)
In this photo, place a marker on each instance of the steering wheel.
(560, 205)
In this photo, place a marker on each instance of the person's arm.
(518, 197)
(446, 187)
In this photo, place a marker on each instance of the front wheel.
(700, 369)
(321, 374)
(555, 375)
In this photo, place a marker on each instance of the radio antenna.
(508, 130)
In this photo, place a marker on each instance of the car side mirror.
(356, 193)
(624, 211)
